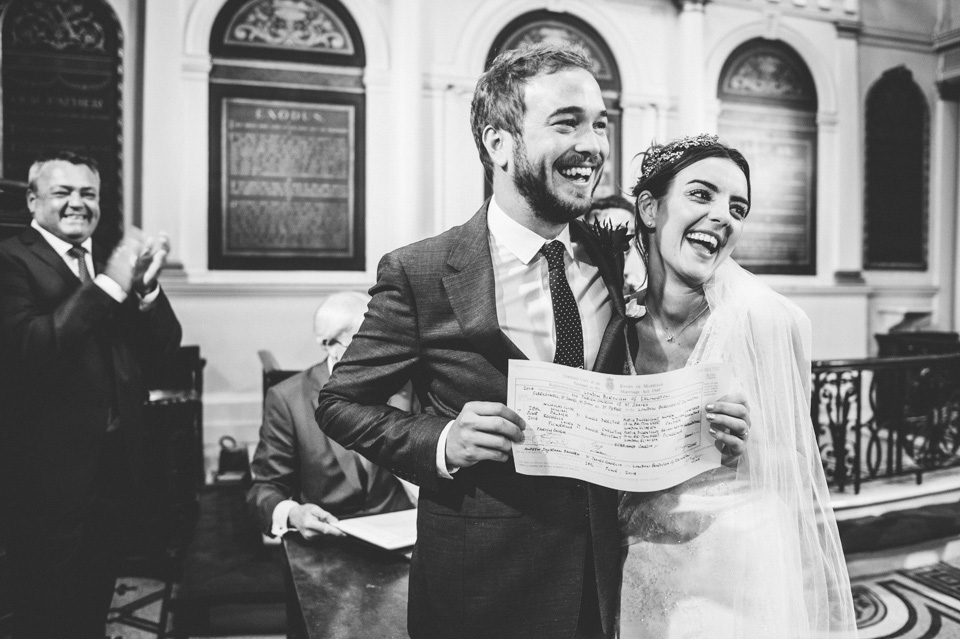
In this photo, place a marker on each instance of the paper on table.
(387, 530)
(628, 432)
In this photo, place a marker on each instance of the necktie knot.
(79, 253)
(553, 251)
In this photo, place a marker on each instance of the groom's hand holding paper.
(634, 433)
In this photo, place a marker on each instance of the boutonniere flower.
(635, 309)
(614, 240)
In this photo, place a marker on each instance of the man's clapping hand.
(121, 265)
(150, 262)
(483, 431)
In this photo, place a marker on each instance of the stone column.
(409, 148)
(691, 66)
(847, 246)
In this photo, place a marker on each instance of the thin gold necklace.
(672, 338)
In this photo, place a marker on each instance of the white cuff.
(281, 513)
(442, 469)
(146, 302)
(110, 287)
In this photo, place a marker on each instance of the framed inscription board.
(779, 234)
(288, 188)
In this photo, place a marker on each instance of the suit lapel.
(43, 251)
(611, 344)
(472, 295)
(348, 460)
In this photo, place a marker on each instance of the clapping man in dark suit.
(498, 554)
(302, 480)
(79, 328)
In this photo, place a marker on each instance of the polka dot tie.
(566, 315)
(79, 253)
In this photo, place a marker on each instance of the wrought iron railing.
(886, 417)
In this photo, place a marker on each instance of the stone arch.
(489, 19)
(200, 21)
(823, 76)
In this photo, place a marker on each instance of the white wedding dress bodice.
(689, 553)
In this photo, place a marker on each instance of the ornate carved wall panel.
(62, 68)
(311, 31)
(306, 25)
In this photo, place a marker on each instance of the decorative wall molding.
(764, 74)
(818, 61)
(366, 13)
(59, 25)
(490, 18)
(305, 25)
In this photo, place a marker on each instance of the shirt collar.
(59, 245)
(523, 243)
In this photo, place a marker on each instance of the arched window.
(897, 138)
(61, 77)
(287, 113)
(547, 26)
(768, 111)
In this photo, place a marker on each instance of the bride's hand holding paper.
(730, 425)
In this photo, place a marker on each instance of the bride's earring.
(644, 215)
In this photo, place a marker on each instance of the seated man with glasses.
(303, 480)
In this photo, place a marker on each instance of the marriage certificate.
(628, 432)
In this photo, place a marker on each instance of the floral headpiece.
(659, 157)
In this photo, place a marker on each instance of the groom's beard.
(532, 185)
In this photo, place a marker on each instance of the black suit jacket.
(294, 460)
(498, 554)
(71, 357)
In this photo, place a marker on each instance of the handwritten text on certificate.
(629, 432)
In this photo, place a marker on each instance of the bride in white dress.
(750, 550)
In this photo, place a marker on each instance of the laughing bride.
(749, 550)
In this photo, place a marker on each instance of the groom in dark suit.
(498, 554)
(79, 329)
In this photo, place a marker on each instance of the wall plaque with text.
(288, 195)
(779, 233)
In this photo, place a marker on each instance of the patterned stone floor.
(915, 603)
(910, 604)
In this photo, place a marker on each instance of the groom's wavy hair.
(498, 98)
(666, 161)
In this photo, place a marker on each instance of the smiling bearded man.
(498, 554)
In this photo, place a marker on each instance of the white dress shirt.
(522, 286)
(110, 287)
(522, 290)
(62, 247)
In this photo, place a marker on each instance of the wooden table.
(348, 589)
